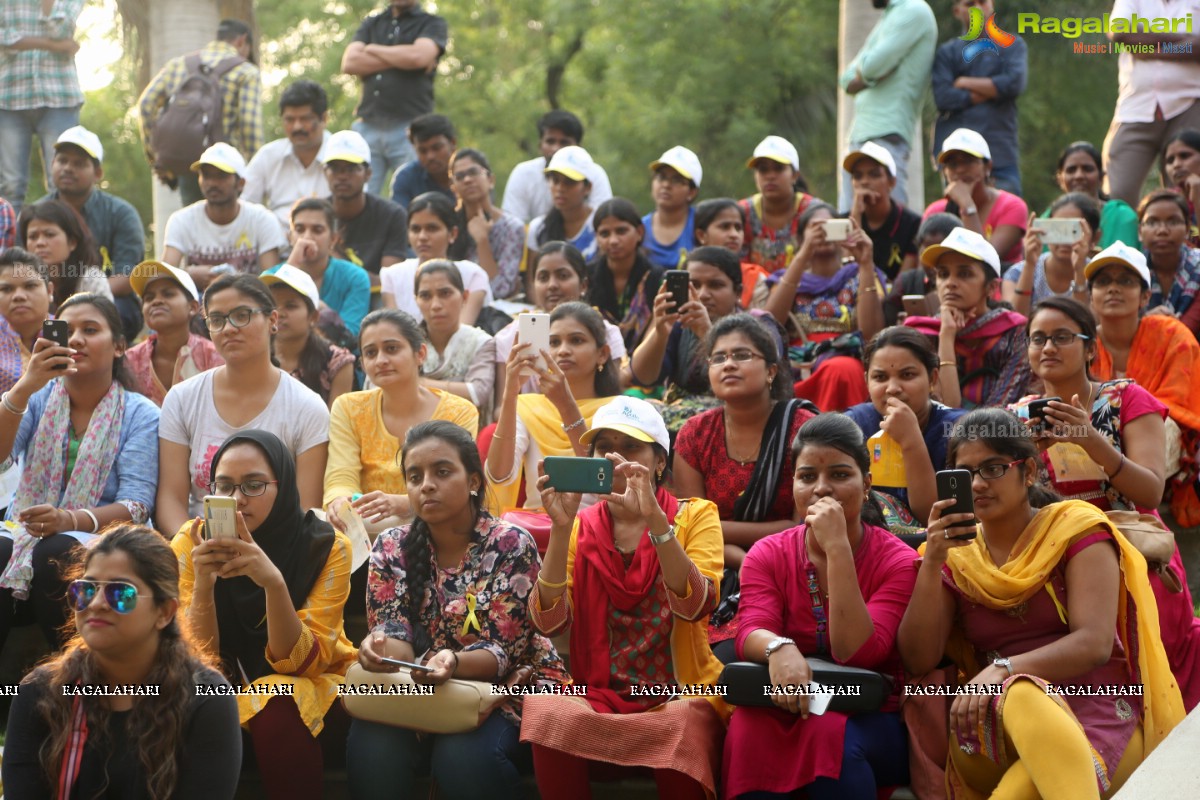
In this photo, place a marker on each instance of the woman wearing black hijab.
(270, 604)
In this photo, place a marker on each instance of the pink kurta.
(775, 597)
(1108, 721)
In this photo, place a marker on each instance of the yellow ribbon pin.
(243, 241)
(471, 618)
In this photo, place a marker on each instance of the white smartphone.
(837, 230)
(220, 517)
(535, 329)
(1060, 231)
(915, 305)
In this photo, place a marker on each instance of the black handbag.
(861, 690)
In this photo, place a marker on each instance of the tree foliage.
(715, 75)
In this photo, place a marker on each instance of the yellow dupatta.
(544, 424)
(1038, 551)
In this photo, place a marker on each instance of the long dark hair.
(441, 207)
(838, 431)
(749, 326)
(112, 318)
(315, 354)
(707, 212)
(908, 338)
(1092, 153)
(1078, 313)
(1190, 137)
(57, 212)
(1003, 432)
(724, 260)
(20, 257)
(465, 243)
(418, 546)
(249, 286)
(607, 383)
(409, 328)
(155, 729)
(554, 226)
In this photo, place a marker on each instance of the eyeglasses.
(993, 472)
(251, 488)
(1154, 223)
(121, 596)
(1125, 281)
(671, 178)
(1061, 339)
(239, 318)
(739, 356)
(470, 172)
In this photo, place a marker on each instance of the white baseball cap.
(632, 416)
(294, 278)
(776, 148)
(968, 243)
(1120, 253)
(84, 139)
(965, 140)
(572, 161)
(875, 152)
(683, 161)
(346, 146)
(224, 157)
(148, 271)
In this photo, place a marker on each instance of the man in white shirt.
(526, 194)
(1157, 96)
(221, 230)
(289, 169)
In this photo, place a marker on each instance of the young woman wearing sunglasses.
(181, 743)
(249, 391)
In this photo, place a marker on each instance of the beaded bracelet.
(568, 428)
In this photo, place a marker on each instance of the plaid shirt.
(241, 87)
(8, 225)
(32, 79)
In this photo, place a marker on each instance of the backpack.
(193, 119)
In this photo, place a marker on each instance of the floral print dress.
(482, 604)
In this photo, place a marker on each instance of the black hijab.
(297, 543)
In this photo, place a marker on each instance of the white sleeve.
(535, 229)
(601, 189)
(172, 424)
(266, 230)
(255, 189)
(179, 231)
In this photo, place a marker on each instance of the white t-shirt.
(296, 414)
(527, 194)
(397, 280)
(205, 243)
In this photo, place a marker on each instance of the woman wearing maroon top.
(738, 455)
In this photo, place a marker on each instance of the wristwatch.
(970, 211)
(663, 538)
(1004, 662)
(775, 644)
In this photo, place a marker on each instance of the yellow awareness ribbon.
(896, 258)
(471, 618)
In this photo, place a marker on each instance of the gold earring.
(600, 368)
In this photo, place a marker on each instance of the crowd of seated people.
(349, 370)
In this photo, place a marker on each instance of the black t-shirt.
(380, 230)
(399, 94)
(210, 760)
(895, 239)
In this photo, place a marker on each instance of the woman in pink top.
(834, 587)
(1001, 217)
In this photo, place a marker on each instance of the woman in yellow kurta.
(576, 379)
(269, 602)
(366, 428)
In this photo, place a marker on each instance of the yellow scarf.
(544, 424)
(1036, 553)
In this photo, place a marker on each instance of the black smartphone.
(56, 331)
(955, 484)
(1037, 410)
(412, 666)
(583, 475)
(678, 282)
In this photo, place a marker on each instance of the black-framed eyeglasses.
(1061, 339)
(252, 488)
(239, 318)
(993, 472)
(469, 172)
(740, 356)
(121, 596)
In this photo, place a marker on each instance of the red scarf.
(601, 580)
(73, 758)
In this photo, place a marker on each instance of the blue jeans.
(17, 129)
(1008, 178)
(899, 147)
(390, 150)
(384, 762)
(874, 753)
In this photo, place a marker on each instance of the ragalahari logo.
(994, 37)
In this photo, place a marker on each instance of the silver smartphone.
(1060, 231)
(534, 328)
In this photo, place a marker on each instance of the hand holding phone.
(220, 517)
(56, 331)
(678, 281)
(410, 664)
(580, 475)
(1037, 410)
(534, 329)
(837, 230)
(955, 484)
